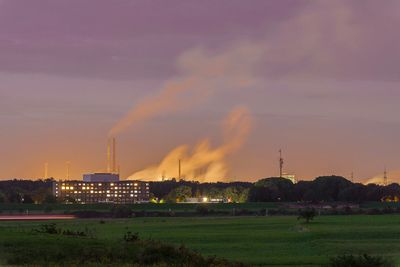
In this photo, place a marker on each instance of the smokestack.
(179, 169)
(114, 157)
(46, 170)
(108, 156)
(280, 163)
(68, 169)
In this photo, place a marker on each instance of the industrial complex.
(103, 187)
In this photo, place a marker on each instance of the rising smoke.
(298, 50)
(203, 162)
(201, 74)
(392, 177)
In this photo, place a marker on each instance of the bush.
(131, 237)
(50, 228)
(360, 261)
(307, 214)
(62, 251)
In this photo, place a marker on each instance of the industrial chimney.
(114, 156)
(112, 166)
(108, 156)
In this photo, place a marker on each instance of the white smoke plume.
(297, 49)
(201, 73)
(203, 163)
(392, 177)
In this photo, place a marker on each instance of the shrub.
(307, 214)
(50, 228)
(74, 233)
(359, 261)
(131, 237)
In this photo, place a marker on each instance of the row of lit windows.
(100, 184)
(91, 187)
(94, 189)
(108, 192)
(105, 198)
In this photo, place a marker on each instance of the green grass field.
(264, 241)
(16, 208)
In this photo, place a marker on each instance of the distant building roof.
(101, 177)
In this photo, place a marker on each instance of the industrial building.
(103, 187)
(101, 177)
(85, 192)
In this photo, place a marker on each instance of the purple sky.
(325, 87)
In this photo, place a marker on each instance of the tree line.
(323, 188)
(27, 191)
(273, 189)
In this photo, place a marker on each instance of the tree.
(307, 214)
(244, 195)
(27, 199)
(14, 197)
(328, 188)
(272, 189)
(356, 192)
(215, 192)
(49, 199)
(236, 194)
(180, 194)
(231, 194)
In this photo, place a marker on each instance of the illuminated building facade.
(85, 192)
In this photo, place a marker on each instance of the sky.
(317, 79)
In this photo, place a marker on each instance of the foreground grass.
(266, 241)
